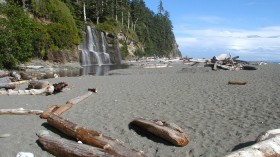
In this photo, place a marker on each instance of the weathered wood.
(266, 148)
(82, 97)
(166, 130)
(47, 90)
(7, 86)
(36, 84)
(268, 134)
(47, 112)
(18, 82)
(4, 73)
(20, 111)
(248, 67)
(58, 110)
(60, 147)
(58, 87)
(237, 82)
(92, 137)
(11, 85)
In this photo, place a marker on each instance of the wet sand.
(217, 117)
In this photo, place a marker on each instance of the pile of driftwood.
(228, 63)
(222, 61)
(35, 87)
(10, 80)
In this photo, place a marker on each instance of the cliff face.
(175, 52)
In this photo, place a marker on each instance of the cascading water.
(104, 46)
(90, 53)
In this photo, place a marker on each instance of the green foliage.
(109, 26)
(139, 53)
(62, 19)
(124, 50)
(17, 36)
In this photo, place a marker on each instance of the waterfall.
(90, 53)
(104, 46)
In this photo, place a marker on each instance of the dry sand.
(218, 117)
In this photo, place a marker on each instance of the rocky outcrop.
(113, 48)
(175, 52)
(63, 56)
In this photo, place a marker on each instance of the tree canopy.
(57, 25)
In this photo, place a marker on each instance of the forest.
(33, 28)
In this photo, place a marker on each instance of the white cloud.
(262, 42)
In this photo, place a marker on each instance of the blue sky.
(206, 28)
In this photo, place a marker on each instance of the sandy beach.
(217, 117)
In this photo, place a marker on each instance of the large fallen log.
(20, 111)
(266, 148)
(58, 110)
(91, 137)
(166, 130)
(60, 147)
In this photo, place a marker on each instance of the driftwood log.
(58, 87)
(268, 134)
(60, 147)
(11, 85)
(20, 111)
(267, 148)
(4, 73)
(237, 82)
(166, 130)
(8, 86)
(58, 110)
(47, 90)
(91, 137)
(37, 84)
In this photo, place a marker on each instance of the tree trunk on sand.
(166, 130)
(61, 147)
(92, 137)
(20, 111)
(266, 148)
(58, 110)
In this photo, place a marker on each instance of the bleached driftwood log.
(4, 73)
(268, 145)
(91, 137)
(267, 135)
(58, 110)
(47, 90)
(7, 86)
(20, 111)
(237, 82)
(18, 82)
(166, 130)
(11, 85)
(65, 148)
(266, 148)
